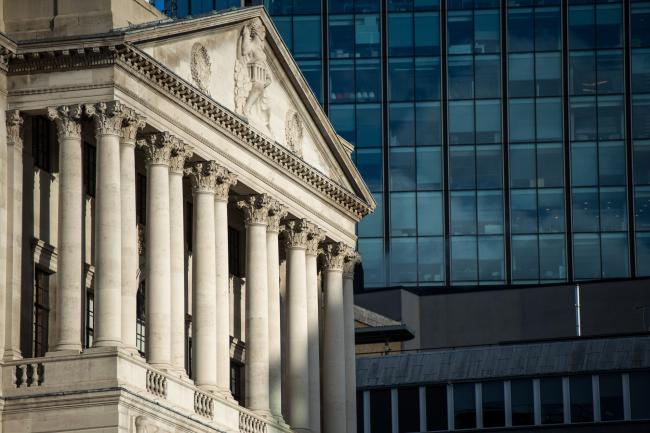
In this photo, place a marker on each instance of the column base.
(225, 394)
(12, 355)
(107, 343)
(280, 420)
(132, 350)
(300, 430)
(212, 389)
(58, 352)
(178, 372)
(263, 413)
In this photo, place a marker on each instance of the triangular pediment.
(239, 60)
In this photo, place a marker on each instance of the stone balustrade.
(203, 404)
(156, 384)
(29, 374)
(250, 423)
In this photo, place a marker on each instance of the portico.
(218, 172)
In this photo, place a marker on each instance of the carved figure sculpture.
(200, 67)
(252, 74)
(294, 131)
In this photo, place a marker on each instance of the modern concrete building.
(177, 218)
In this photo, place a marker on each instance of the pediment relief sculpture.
(294, 131)
(144, 425)
(200, 67)
(252, 74)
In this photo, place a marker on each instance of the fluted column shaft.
(107, 118)
(158, 148)
(14, 238)
(129, 231)
(313, 322)
(224, 180)
(70, 249)
(177, 258)
(275, 332)
(334, 377)
(256, 210)
(295, 235)
(350, 353)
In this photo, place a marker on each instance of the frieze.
(138, 63)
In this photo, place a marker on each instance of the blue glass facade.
(505, 142)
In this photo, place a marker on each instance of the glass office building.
(506, 142)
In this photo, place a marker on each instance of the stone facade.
(167, 191)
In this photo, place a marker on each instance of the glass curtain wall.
(640, 89)
(505, 142)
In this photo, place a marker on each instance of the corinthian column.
(224, 180)
(296, 232)
(334, 385)
(177, 256)
(204, 329)
(277, 212)
(350, 353)
(70, 262)
(313, 309)
(157, 149)
(133, 123)
(14, 235)
(107, 118)
(256, 212)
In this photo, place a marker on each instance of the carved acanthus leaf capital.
(67, 119)
(132, 124)
(334, 255)
(179, 155)
(256, 208)
(350, 263)
(108, 117)
(225, 180)
(203, 176)
(314, 238)
(295, 233)
(277, 212)
(14, 128)
(157, 147)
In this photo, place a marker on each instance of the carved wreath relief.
(200, 67)
(294, 131)
(252, 74)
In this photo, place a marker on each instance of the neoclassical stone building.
(177, 223)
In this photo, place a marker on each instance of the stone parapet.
(114, 390)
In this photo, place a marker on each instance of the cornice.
(149, 70)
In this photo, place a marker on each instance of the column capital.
(295, 233)
(225, 179)
(334, 255)
(350, 263)
(179, 155)
(314, 238)
(132, 124)
(277, 212)
(157, 147)
(203, 175)
(108, 117)
(256, 209)
(67, 119)
(15, 128)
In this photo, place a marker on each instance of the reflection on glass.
(521, 391)
(493, 404)
(436, 407)
(582, 403)
(464, 406)
(550, 394)
(639, 401)
(611, 397)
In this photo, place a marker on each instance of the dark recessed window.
(140, 320)
(408, 403)
(90, 318)
(521, 392)
(611, 397)
(233, 252)
(237, 381)
(551, 400)
(42, 143)
(437, 407)
(464, 406)
(639, 401)
(380, 411)
(141, 198)
(582, 403)
(494, 414)
(360, 418)
(41, 311)
(90, 168)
